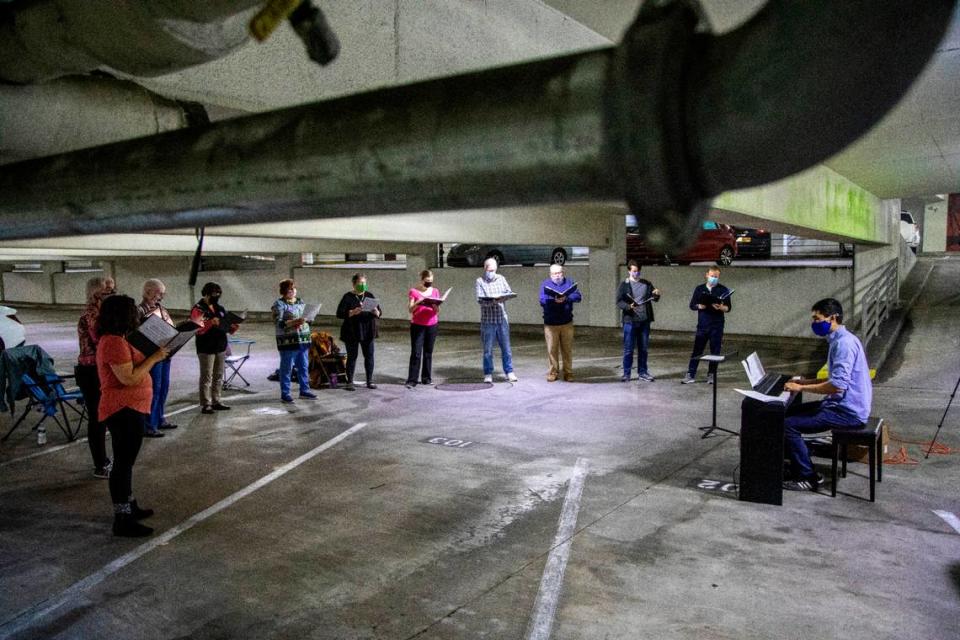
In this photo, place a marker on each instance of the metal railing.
(879, 301)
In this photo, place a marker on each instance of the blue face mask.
(821, 328)
(490, 275)
(712, 280)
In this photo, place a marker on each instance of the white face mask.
(490, 275)
(557, 278)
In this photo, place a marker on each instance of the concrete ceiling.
(915, 151)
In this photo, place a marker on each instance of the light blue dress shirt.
(850, 373)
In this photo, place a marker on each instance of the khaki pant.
(559, 345)
(211, 377)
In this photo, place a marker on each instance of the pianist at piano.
(848, 392)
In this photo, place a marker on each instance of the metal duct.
(45, 39)
(79, 112)
(665, 120)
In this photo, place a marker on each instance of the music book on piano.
(783, 398)
(555, 293)
(154, 333)
(709, 299)
(434, 300)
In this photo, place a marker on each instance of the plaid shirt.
(492, 312)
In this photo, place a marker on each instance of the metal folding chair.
(235, 361)
(49, 397)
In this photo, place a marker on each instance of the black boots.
(125, 520)
(138, 513)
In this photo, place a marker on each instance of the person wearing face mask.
(360, 328)
(558, 323)
(492, 291)
(86, 373)
(153, 292)
(635, 298)
(293, 340)
(710, 319)
(211, 340)
(848, 391)
(424, 322)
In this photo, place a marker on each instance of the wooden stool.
(870, 436)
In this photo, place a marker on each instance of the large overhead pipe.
(665, 120)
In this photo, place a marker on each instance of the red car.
(715, 243)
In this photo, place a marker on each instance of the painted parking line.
(545, 606)
(29, 617)
(950, 518)
(48, 450)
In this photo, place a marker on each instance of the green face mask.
(362, 287)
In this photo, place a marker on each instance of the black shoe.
(153, 434)
(274, 377)
(624, 378)
(138, 513)
(219, 407)
(207, 410)
(409, 385)
(349, 387)
(427, 383)
(370, 385)
(126, 526)
(168, 425)
(804, 484)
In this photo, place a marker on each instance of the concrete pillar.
(934, 229)
(605, 265)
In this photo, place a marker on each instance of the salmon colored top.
(114, 395)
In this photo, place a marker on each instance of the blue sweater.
(558, 313)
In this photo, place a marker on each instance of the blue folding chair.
(49, 398)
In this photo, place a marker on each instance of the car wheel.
(559, 256)
(726, 257)
(683, 263)
(496, 255)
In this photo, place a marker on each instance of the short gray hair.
(94, 286)
(487, 262)
(153, 285)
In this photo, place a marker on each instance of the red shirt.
(114, 395)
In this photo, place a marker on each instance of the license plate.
(745, 239)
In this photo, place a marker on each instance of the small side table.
(708, 430)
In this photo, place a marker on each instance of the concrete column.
(934, 229)
(605, 265)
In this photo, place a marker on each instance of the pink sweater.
(424, 314)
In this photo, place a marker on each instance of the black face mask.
(428, 283)
(214, 299)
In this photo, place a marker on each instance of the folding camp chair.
(48, 397)
(235, 362)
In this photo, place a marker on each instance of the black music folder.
(506, 296)
(235, 318)
(556, 293)
(434, 300)
(155, 333)
(709, 299)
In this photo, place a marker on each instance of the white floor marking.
(197, 406)
(28, 617)
(545, 607)
(950, 518)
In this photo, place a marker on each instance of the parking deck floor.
(590, 509)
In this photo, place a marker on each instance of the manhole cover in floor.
(464, 386)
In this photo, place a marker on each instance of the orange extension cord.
(901, 457)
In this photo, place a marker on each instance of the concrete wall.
(27, 287)
(934, 229)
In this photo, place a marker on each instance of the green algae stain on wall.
(819, 199)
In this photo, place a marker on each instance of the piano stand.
(709, 430)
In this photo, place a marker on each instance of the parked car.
(12, 332)
(715, 243)
(909, 230)
(752, 243)
(473, 255)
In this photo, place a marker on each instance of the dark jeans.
(422, 339)
(89, 382)
(810, 417)
(636, 337)
(126, 432)
(367, 348)
(714, 335)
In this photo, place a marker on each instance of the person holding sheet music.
(211, 345)
(360, 311)
(151, 304)
(126, 392)
(293, 340)
(712, 302)
(424, 321)
(848, 391)
(493, 291)
(635, 298)
(86, 372)
(558, 294)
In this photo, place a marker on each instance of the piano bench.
(870, 436)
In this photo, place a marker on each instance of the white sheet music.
(783, 398)
(310, 311)
(754, 369)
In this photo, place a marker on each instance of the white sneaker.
(512, 377)
(488, 378)
(41, 437)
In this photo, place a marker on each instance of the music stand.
(708, 430)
